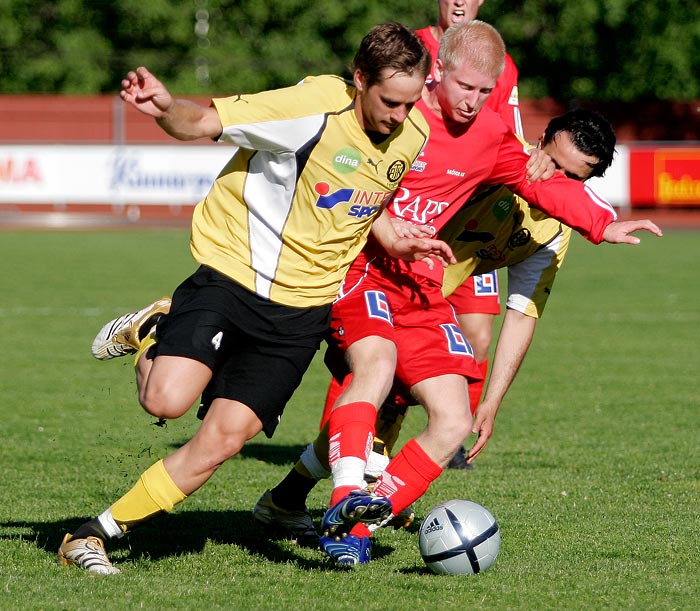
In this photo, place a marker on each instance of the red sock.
(350, 437)
(360, 530)
(335, 389)
(408, 476)
(477, 388)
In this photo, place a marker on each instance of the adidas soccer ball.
(459, 538)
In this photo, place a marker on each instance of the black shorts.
(257, 350)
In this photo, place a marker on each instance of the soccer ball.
(459, 538)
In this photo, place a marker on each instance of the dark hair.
(590, 132)
(391, 45)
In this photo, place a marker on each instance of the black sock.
(93, 528)
(292, 491)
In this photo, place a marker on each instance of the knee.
(451, 431)
(163, 404)
(480, 343)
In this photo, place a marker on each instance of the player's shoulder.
(427, 38)
(509, 65)
(329, 85)
(418, 120)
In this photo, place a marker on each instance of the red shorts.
(477, 295)
(386, 300)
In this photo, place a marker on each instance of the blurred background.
(72, 154)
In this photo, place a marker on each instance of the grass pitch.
(593, 471)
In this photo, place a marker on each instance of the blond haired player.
(388, 306)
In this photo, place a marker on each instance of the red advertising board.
(665, 176)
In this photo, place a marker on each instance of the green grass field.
(593, 472)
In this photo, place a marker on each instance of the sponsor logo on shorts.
(486, 285)
(456, 342)
(378, 306)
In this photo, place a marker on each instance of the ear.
(438, 70)
(359, 80)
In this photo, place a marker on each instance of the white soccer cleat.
(122, 336)
(88, 554)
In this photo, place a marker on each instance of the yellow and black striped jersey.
(293, 207)
(498, 229)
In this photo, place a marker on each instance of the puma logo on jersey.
(374, 165)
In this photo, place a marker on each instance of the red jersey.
(503, 98)
(451, 167)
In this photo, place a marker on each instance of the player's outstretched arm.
(181, 119)
(618, 232)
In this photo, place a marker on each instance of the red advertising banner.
(667, 176)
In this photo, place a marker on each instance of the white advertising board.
(57, 174)
(157, 174)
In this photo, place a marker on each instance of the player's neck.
(437, 32)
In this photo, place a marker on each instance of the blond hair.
(474, 43)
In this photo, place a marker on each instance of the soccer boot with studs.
(123, 335)
(88, 554)
(357, 506)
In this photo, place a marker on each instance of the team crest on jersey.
(456, 342)
(486, 285)
(347, 160)
(519, 238)
(491, 253)
(396, 171)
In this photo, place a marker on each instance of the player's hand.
(618, 232)
(484, 420)
(422, 249)
(405, 229)
(146, 93)
(540, 166)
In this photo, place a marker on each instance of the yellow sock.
(146, 343)
(154, 493)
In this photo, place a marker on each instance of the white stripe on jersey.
(270, 187)
(599, 201)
